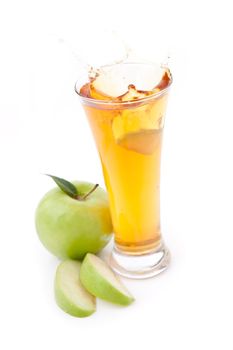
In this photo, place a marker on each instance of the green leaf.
(65, 186)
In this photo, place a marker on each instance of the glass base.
(140, 266)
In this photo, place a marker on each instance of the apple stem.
(87, 194)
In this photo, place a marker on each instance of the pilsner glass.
(128, 136)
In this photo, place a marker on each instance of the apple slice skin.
(63, 299)
(100, 287)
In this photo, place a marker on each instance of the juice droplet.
(165, 81)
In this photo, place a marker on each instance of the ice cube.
(144, 142)
(149, 116)
(98, 95)
(114, 80)
(110, 83)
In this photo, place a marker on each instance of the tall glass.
(128, 136)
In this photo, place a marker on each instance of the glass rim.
(111, 103)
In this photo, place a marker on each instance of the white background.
(43, 129)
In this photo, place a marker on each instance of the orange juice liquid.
(129, 140)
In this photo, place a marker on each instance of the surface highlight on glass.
(128, 127)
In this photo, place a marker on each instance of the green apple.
(70, 295)
(72, 221)
(99, 280)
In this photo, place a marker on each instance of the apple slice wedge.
(99, 280)
(70, 295)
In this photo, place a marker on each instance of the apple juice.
(128, 132)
